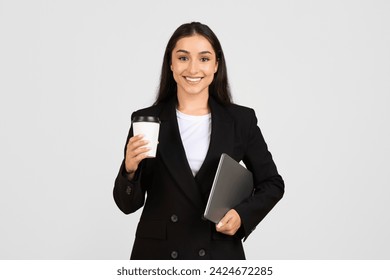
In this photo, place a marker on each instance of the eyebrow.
(202, 52)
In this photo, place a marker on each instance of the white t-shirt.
(195, 134)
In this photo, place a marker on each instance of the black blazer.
(172, 224)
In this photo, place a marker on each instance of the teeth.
(193, 79)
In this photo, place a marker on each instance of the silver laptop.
(233, 183)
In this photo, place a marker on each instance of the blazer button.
(202, 253)
(128, 190)
(174, 254)
(174, 218)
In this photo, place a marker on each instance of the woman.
(199, 122)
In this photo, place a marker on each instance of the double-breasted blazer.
(171, 224)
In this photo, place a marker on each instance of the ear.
(216, 67)
(171, 68)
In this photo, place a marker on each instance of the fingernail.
(219, 225)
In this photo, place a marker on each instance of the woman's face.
(193, 65)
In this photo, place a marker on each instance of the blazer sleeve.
(129, 195)
(268, 184)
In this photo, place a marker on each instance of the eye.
(183, 58)
(205, 59)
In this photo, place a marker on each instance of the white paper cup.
(149, 126)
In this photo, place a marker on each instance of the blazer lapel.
(173, 155)
(221, 141)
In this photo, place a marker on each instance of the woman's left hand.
(230, 223)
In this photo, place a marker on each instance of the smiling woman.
(199, 122)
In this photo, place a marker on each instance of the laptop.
(233, 183)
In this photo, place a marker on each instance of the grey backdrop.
(316, 72)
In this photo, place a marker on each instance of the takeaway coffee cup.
(149, 126)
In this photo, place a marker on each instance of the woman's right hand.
(135, 152)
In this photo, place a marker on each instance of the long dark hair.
(219, 88)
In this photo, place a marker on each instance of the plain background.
(316, 72)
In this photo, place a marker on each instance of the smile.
(193, 80)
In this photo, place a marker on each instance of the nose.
(193, 67)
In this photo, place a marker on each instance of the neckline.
(192, 117)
